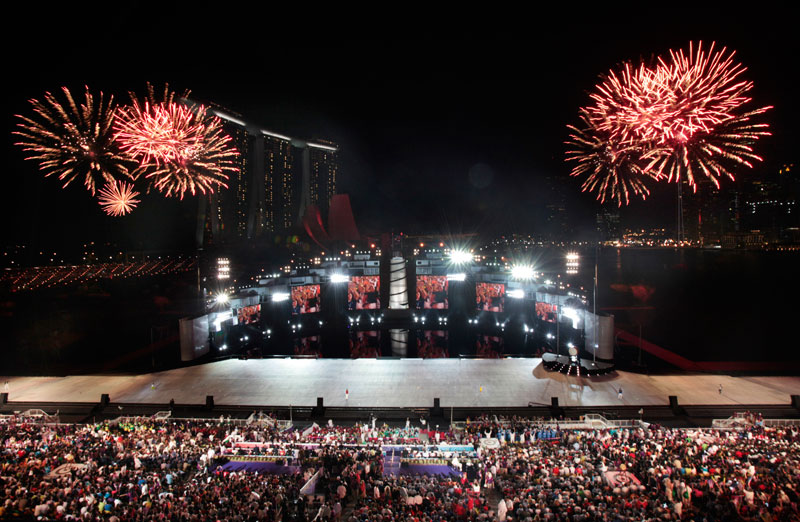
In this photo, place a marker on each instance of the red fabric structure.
(341, 223)
(312, 222)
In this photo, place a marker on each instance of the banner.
(490, 443)
(64, 470)
(307, 431)
(311, 485)
(619, 479)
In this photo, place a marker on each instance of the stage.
(400, 383)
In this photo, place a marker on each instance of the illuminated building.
(608, 225)
(324, 168)
(278, 178)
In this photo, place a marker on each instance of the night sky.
(444, 126)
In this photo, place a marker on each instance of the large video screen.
(432, 292)
(305, 299)
(546, 312)
(490, 297)
(365, 345)
(364, 293)
(432, 344)
(249, 314)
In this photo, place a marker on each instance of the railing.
(34, 416)
(774, 423)
(257, 419)
(587, 422)
(737, 421)
(743, 421)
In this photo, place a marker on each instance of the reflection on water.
(425, 344)
(704, 304)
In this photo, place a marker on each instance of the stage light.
(516, 293)
(222, 298)
(522, 272)
(223, 347)
(456, 277)
(460, 257)
(339, 278)
(573, 262)
(573, 314)
(279, 297)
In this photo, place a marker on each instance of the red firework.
(180, 149)
(611, 165)
(678, 119)
(153, 129)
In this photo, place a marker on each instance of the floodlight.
(277, 297)
(460, 257)
(339, 278)
(522, 272)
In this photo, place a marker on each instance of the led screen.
(363, 293)
(431, 292)
(249, 314)
(546, 312)
(490, 297)
(305, 299)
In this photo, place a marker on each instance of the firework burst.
(680, 119)
(612, 167)
(154, 130)
(74, 141)
(117, 198)
(713, 155)
(180, 149)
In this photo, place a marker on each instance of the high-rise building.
(608, 225)
(324, 168)
(556, 218)
(705, 212)
(278, 178)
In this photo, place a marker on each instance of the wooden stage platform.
(404, 383)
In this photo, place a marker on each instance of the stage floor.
(399, 383)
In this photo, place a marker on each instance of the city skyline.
(434, 135)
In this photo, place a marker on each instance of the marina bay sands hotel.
(279, 177)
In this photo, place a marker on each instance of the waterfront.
(705, 305)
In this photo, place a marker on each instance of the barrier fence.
(585, 422)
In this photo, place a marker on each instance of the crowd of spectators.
(515, 470)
